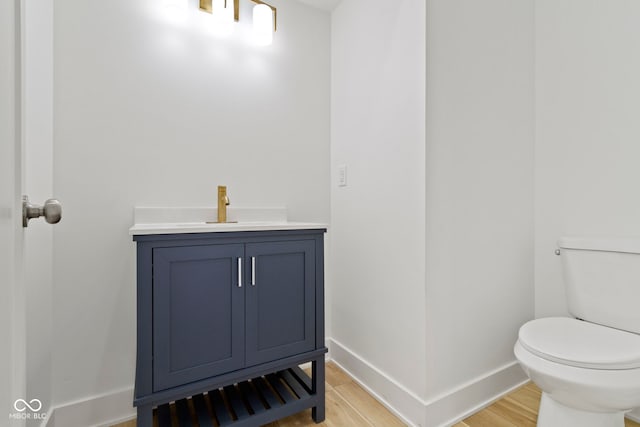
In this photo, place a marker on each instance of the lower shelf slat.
(294, 384)
(239, 402)
(252, 397)
(219, 408)
(302, 378)
(284, 393)
(266, 392)
(235, 401)
(164, 416)
(183, 413)
(202, 413)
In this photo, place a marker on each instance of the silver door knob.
(51, 211)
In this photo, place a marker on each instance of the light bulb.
(176, 10)
(222, 17)
(262, 24)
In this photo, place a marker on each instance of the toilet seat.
(581, 344)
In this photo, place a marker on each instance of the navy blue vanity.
(224, 320)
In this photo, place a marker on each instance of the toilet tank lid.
(608, 244)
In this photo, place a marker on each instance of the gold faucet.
(223, 201)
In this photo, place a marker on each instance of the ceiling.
(322, 4)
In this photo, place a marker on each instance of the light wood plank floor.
(349, 405)
(517, 409)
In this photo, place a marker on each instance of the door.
(12, 378)
(26, 109)
(198, 313)
(280, 300)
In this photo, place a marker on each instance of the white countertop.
(202, 227)
(200, 220)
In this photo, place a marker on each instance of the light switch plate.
(342, 176)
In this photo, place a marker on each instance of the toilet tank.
(602, 280)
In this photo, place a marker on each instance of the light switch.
(342, 176)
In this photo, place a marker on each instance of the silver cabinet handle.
(253, 271)
(51, 211)
(239, 272)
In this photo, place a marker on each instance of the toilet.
(588, 366)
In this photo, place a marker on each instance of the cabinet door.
(280, 299)
(198, 313)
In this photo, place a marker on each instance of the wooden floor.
(518, 409)
(349, 405)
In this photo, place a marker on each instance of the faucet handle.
(222, 195)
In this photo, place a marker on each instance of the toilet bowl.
(588, 367)
(589, 374)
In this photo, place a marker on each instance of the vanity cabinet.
(228, 317)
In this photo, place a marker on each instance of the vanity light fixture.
(265, 17)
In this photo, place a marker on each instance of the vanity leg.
(145, 416)
(318, 388)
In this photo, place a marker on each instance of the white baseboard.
(393, 395)
(634, 415)
(50, 421)
(469, 398)
(97, 411)
(442, 411)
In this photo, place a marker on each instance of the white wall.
(587, 130)
(463, 203)
(479, 174)
(377, 239)
(149, 112)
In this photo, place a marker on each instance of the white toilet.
(589, 369)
